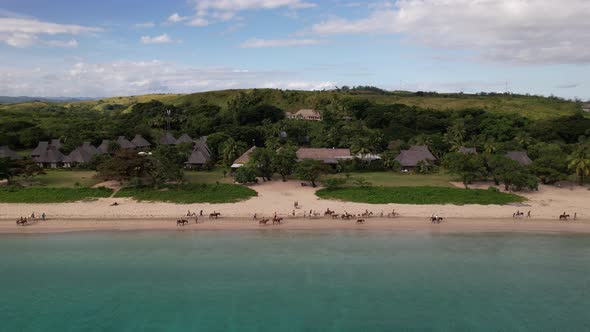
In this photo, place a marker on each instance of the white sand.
(276, 196)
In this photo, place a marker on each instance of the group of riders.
(22, 221)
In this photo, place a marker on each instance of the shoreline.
(400, 224)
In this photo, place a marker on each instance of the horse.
(436, 220)
(360, 221)
(564, 216)
(335, 216)
(328, 213)
(181, 222)
(21, 222)
(276, 220)
(347, 216)
(263, 221)
(214, 215)
(517, 214)
(367, 214)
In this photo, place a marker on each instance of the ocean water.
(294, 281)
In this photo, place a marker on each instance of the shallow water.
(294, 281)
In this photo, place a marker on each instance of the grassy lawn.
(390, 179)
(51, 195)
(210, 177)
(190, 193)
(66, 179)
(418, 195)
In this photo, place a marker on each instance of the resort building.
(410, 159)
(465, 150)
(243, 159)
(140, 142)
(520, 157)
(40, 149)
(78, 156)
(168, 139)
(124, 143)
(103, 148)
(326, 156)
(6, 152)
(305, 114)
(200, 156)
(50, 158)
(184, 138)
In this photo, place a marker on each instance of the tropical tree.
(469, 166)
(261, 160)
(285, 160)
(579, 162)
(231, 150)
(310, 170)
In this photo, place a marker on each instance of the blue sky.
(128, 47)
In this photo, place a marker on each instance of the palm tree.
(230, 151)
(579, 162)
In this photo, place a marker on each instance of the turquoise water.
(294, 281)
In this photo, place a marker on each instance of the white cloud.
(72, 43)
(24, 32)
(141, 77)
(263, 43)
(525, 31)
(145, 25)
(209, 11)
(176, 18)
(161, 39)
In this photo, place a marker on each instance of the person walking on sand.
(201, 213)
(255, 217)
(575, 215)
(43, 216)
(528, 215)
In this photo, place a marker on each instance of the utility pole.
(168, 112)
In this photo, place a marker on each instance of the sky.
(73, 48)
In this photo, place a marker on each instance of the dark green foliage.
(310, 170)
(26, 168)
(246, 175)
(469, 167)
(285, 161)
(262, 161)
(190, 193)
(418, 195)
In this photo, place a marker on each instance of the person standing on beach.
(575, 215)
(43, 216)
(528, 215)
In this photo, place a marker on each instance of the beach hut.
(243, 159)
(465, 150)
(168, 139)
(520, 157)
(200, 156)
(140, 142)
(40, 149)
(409, 159)
(103, 148)
(6, 152)
(184, 138)
(50, 158)
(326, 156)
(124, 143)
(78, 156)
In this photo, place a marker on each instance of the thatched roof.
(168, 139)
(79, 155)
(89, 148)
(140, 142)
(520, 157)
(40, 149)
(6, 152)
(184, 138)
(244, 158)
(124, 143)
(465, 150)
(197, 158)
(56, 143)
(201, 145)
(306, 114)
(51, 155)
(413, 156)
(327, 156)
(103, 148)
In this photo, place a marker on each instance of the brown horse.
(181, 222)
(276, 220)
(564, 216)
(436, 220)
(214, 215)
(360, 221)
(347, 216)
(21, 221)
(263, 221)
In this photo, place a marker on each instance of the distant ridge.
(24, 99)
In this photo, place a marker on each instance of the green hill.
(533, 107)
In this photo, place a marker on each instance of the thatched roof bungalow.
(520, 157)
(78, 156)
(103, 148)
(50, 158)
(201, 154)
(326, 156)
(168, 139)
(243, 159)
(6, 152)
(124, 143)
(416, 154)
(89, 148)
(40, 149)
(305, 114)
(140, 142)
(184, 138)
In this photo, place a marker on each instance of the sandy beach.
(279, 197)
